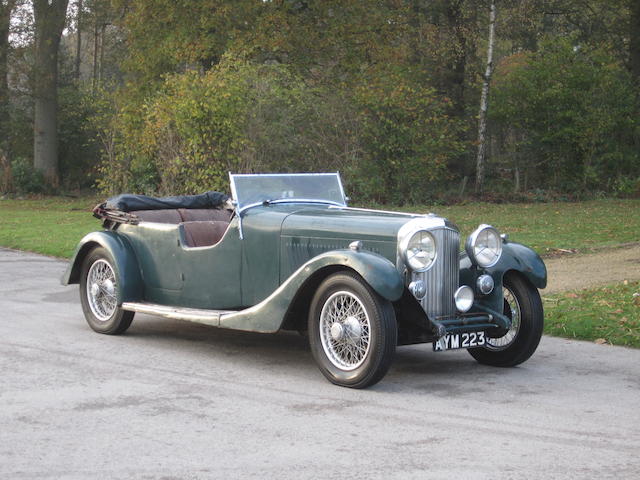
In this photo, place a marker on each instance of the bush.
(79, 151)
(407, 137)
(569, 113)
(391, 138)
(26, 179)
(236, 117)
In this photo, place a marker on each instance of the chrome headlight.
(484, 246)
(419, 251)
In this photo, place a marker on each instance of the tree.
(569, 112)
(49, 16)
(6, 7)
(634, 39)
(79, 8)
(484, 99)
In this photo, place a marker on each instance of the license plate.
(460, 340)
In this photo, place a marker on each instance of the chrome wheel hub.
(337, 331)
(345, 330)
(101, 290)
(353, 327)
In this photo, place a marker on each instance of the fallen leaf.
(571, 295)
(617, 311)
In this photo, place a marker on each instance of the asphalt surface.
(176, 400)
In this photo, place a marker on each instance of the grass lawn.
(605, 315)
(546, 227)
(53, 225)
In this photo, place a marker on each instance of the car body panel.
(317, 229)
(268, 316)
(130, 285)
(261, 252)
(515, 257)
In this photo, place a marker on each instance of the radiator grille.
(443, 278)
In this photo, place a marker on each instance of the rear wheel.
(99, 294)
(352, 331)
(523, 306)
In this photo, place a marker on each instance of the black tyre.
(352, 331)
(523, 306)
(99, 294)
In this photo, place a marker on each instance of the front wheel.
(352, 331)
(523, 306)
(99, 294)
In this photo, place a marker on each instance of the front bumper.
(481, 319)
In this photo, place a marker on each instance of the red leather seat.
(158, 216)
(203, 234)
(184, 215)
(202, 214)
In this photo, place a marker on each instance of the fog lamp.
(485, 284)
(418, 289)
(464, 298)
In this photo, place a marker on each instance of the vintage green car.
(286, 252)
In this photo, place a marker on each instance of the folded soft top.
(129, 203)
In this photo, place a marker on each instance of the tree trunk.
(458, 61)
(484, 103)
(103, 30)
(5, 22)
(634, 39)
(78, 39)
(94, 80)
(49, 18)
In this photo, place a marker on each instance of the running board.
(205, 317)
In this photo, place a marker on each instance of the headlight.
(484, 246)
(419, 251)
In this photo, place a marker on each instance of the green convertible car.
(286, 252)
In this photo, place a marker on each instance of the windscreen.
(251, 189)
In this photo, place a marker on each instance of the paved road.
(177, 400)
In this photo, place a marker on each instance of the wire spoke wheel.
(352, 331)
(101, 290)
(345, 330)
(513, 311)
(523, 306)
(99, 294)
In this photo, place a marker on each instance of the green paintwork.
(314, 230)
(515, 257)
(283, 246)
(279, 238)
(129, 281)
(261, 251)
(267, 316)
(204, 277)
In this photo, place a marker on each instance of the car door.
(211, 275)
(156, 247)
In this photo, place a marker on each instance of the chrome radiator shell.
(443, 278)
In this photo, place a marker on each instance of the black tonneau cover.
(129, 203)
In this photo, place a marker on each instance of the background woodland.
(167, 96)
